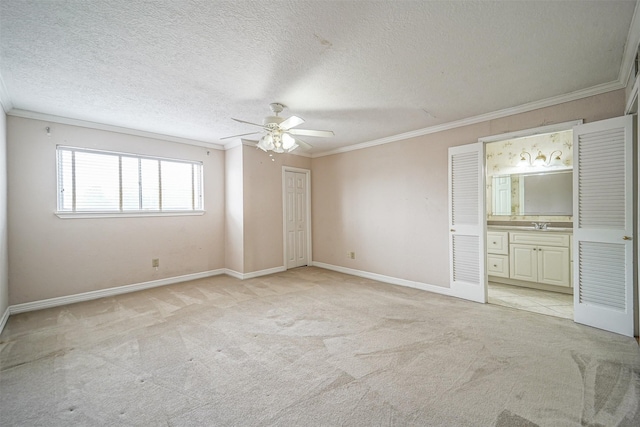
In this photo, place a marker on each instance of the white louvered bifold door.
(603, 224)
(466, 222)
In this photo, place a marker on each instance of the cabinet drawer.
(498, 242)
(498, 265)
(540, 238)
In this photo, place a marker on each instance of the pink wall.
(234, 210)
(52, 257)
(263, 212)
(386, 203)
(254, 235)
(389, 203)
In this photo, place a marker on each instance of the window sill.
(84, 215)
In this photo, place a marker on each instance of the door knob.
(627, 238)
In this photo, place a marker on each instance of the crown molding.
(630, 47)
(238, 142)
(548, 102)
(630, 50)
(5, 99)
(101, 126)
(233, 144)
(556, 127)
(629, 56)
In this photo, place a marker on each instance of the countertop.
(529, 228)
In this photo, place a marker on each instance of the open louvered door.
(603, 225)
(466, 222)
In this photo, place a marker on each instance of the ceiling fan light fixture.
(266, 143)
(288, 141)
(278, 132)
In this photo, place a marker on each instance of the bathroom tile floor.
(537, 301)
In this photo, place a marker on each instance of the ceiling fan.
(279, 135)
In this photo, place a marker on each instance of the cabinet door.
(523, 262)
(553, 265)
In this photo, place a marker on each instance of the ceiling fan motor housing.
(272, 120)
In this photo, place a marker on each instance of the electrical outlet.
(351, 255)
(155, 262)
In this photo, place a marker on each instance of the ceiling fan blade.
(309, 132)
(292, 121)
(235, 136)
(303, 144)
(249, 123)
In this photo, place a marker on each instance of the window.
(92, 181)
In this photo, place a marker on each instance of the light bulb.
(287, 141)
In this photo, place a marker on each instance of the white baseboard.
(4, 318)
(86, 296)
(259, 273)
(251, 275)
(233, 273)
(386, 279)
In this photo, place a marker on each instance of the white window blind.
(109, 182)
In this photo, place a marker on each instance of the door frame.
(632, 108)
(307, 173)
(512, 135)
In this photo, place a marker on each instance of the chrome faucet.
(540, 225)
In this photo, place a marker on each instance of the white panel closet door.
(603, 224)
(466, 222)
(296, 219)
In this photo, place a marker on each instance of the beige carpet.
(310, 347)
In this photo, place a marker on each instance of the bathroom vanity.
(529, 257)
(521, 192)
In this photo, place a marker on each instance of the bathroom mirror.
(540, 193)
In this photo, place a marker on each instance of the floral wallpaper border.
(503, 158)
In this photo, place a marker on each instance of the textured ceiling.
(364, 69)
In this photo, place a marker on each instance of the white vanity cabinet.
(542, 257)
(498, 253)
